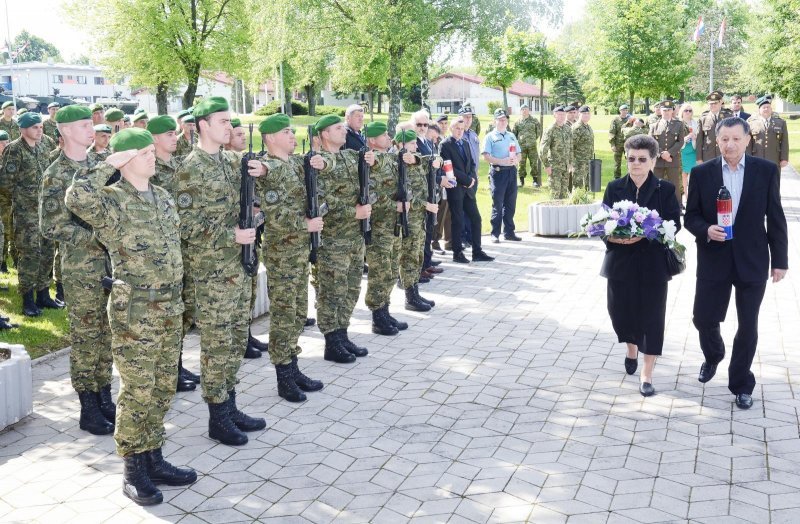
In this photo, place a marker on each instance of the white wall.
(39, 81)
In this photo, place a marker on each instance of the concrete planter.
(556, 219)
(261, 307)
(16, 395)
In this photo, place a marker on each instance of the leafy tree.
(567, 89)
(37, 50)
(496, 67)
(534, 59)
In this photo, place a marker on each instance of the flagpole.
(11, 56)
(711, 67)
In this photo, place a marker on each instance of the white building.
(73, 81)
(450, 91)
(209, 84)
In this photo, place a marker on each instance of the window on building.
(58, 79)
(81, 79)
(99, 81)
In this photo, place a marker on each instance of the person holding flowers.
(639, 218)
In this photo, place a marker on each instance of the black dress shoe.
(424, 280)
(707, 372)
(647, 389)
(630, 365)
(460, 258)
(513, 237)
(251, 352)
(185, 385)
(480, 256)
(310, 322)
(5, 324)
(744, 401)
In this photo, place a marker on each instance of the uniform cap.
(584, 109)
(352, 108)
(7, 103)
(102, 128)
(375, 129)
(466, 110)
(95, 107)
(524, 106)
(22, 111)
(188, 119)
(325, 122)
(3, 135)
(184, 113)
(409, 135)
(570, 108)
(442, 118)
(51, 105)
(500, 113)
(274, 123)
(624, 107)
(558, 109)
(715, 96)
(29, 119)
(73, 113)
(139, 110)
(141, 115)
(131, 138)
(213, 104)
(766, 99)
(113, 115)
(161, 124)
(236, 122)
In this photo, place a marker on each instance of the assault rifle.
(312, 201)
(363, 193)
(401, 224)
(247, 220)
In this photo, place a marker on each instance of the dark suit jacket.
(353, 140)
(744, 116)
(752, 243)
(465, 172)
(644, 260)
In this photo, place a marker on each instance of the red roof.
(518, 88)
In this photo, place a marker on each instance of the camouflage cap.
(161, 124)
(113, 115)
(131, 138)
(29, 119)
(73, 113)
(212, 104)
(375, 129)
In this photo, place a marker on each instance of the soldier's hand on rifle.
(117, 160)
(317, 162)
(400, 206)
(245, 236)
(437, 163)
(369, 158)
(314, 225)
(256, 168)
(431, 208)
(363, 212)
(409, 158)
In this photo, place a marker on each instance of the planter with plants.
(559, 218)
(16, 394)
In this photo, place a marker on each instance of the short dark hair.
(736, 97)
(638, 142)
(733, 121)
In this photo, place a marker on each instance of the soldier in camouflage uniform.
(83, 262)
(282, 192)
(4, 320)
(653, 119)
(99, 149)
(7, 122)
(165, 141)
(770, 138)
(669, 134)
(636, 128)
(528, 131)
(556, 153)
(23, 163)
(115, 119)
(145, 308)
(341, 257)
(617, 139)
(49, 125)
(706, 142)
(188, 128)
(582, 148)
(208, 201)
(5, 214)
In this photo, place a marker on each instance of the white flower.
(600, 216)
(610, 226)
(669, 228)
(623, 205)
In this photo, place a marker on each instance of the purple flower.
(654, 213)
(614, 214)
(623, 221)
(596, 230)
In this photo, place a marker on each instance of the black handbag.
(675, 256)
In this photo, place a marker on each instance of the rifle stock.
(401, 224)
(363, 194)
(246, 218)
(312, 200)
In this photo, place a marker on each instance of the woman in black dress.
(636, 268)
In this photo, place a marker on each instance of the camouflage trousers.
(383, 257)
(340, 264)
(618, 161)
(8, 240)
(188, 296)
(287, 278)
(673, 175)
(411, 248)
(530, 156)
(580, 175)
(34, 254)
(145, 340)
(57, 272)
(559, 182)
(222, 298)
(90, 357)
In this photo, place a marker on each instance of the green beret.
(29, 119)
(273, 124)
(53, 104)
(325, 122)
(189, 119)
(139, 110)
(3, 135)
(95, 107)
(183, 113)
(374, 129)
(161, 124)
(235, 122)
(6, 104)
(140, 115)
(114, 115)
(126, 118)
(212, 104)
(22, 111)
(405, 136)
(72, 113)
(131, 138)
(102, 128)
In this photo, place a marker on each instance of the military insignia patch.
(184, 200)
(50, 205)
(11, 167)
(271, 197)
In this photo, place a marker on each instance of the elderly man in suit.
(758, 250)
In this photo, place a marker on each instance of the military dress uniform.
(616, 139)
(706, 142)
(582, 151)
(528, 132)
(556, 153)
(669, 135)
(769, 139)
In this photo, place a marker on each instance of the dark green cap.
(53, 104)
(236, 122)
(213, 104)
(183, 113)
(189, 119)
(73, 113)
(113, 115)
(3, 135)
(95, 107)
(102, 128)
(29, 119)
(161, 124)
(22, 111)
(375, 129)
(325, 122)
(131, 138)
(405, 136)
(141, 115)
(766, 99)
(273, 124)
(7, 103)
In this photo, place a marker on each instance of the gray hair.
(416, 116)
(638, 142)
(352, 108)
(733, 121)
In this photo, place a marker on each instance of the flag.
(721, 33)
(699, 30)
(16, 53)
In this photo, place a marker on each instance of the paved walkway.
(508, 403)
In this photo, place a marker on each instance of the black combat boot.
(242, 421)
(29, 308)
(256, 343)
(287, 388)
(413, 303)
(310, 322)
(5, 324)
(107, 406)
(349, 346)
(43, 300)
(162, 472)
(3, 266)
(92, 419)
(222, 428)
(335, 351)
(182, 385)
(251, 352)
(136, 483)
(184, 373)
(381, 325)
(302, 381)
(431, 303)
(60, 293)
(399, 324)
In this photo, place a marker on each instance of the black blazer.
(465, 172)
(644, 259)
(353, 140)
(744, 116)
(752, 243)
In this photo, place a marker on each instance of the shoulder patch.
(271, 196)
(51, 205)
(184, 200)
(11, 166)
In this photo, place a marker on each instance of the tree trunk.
(647, 105)
(161, 98)
(630, 101)
(424, 88)
(287, 102)
(193, 76)
(505, 99)
(395, 55)
(380, 101)
(371, 103)
(312, 99)
(541, 102)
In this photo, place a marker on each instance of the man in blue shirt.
(501, 150)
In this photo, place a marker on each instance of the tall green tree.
(534, 59)
(36, 50)
(567, 89)
(496, 67)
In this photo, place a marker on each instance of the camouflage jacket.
(21, 171)
(417, 176)
(166, 175)
(383, 182)
(528, 132)
(582, 142)
(556, 147)
(633, 131)
(142, 237)
(50, 129)
(615, 132)
(338, 185)
(11, 127)
(96, 157)
(282, 192)
(184, 147)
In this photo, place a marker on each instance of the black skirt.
(637, 308)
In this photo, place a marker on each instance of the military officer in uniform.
(7, 122)
(145, 306)
(556, 152)
(528, 131)
(770, 138)
(98, 151)
(706, 143)
(97, 114)
(582, 148)
(617, 139)
(49, 125)
(669, 133)
(5, 213)
(572, 114)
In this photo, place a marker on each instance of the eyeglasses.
(638, 159)
(688, 110)
(422, 125)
